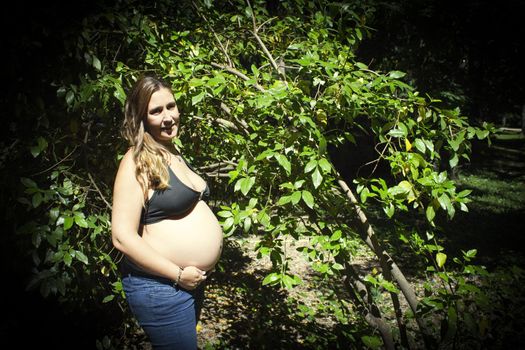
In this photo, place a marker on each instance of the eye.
(171, 106)
(155, 110)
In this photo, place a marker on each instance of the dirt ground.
(240, 313)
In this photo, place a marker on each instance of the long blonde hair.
(149, 155)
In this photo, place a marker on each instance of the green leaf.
(396, 133)
(96, 63)
(28, 182)
(54, 213)
(308, 199)
(420, 145)
(107, 299)
(372, 342)
(246, 184)
(451, 324)
(310, 165)
(70, 96)
(80, 221)
(228, 223)
(471, 253)
(37, 199)
(296, 197)
(371, 279)
(247, 224)
(322, 146)
(284, 200)
(441, 259)
(272, 278)
(337, 266)
(389, 286)
(317, 178)
(40, 146)
(336, 235)
(67, 258)
(289, 281)
(365, 193)
(395, 74)
(325, 165)
(430, 213)
(389, 210)
(444, 201)
(198, 98)
(361, 65)
(224, 214)
(81, 257)
(120, 94)
(68, 222)
(454, 160)
(284, 162)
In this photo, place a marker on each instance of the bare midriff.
(194, 239)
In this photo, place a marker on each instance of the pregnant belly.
(193, 240)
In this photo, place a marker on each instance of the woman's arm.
(125, 222)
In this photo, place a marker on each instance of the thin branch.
(223, 122)
(214, 165)
(263, 47)
(370, 71)
(56, 164)
(377, 160)
(217, 174)
(223, 49)
(264, 23)
(228, 111)
(237, 73)
(99, 191)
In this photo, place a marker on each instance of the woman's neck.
(170, 147)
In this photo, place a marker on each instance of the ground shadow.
(253, 316)
(494, 223)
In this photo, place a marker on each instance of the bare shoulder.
(127, 168)
(127, 163)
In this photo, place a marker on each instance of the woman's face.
(163, 117)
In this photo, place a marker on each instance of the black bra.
(175, 200)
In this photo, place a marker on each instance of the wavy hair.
(149, 155)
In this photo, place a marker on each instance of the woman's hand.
(191, 277)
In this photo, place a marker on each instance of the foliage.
(264, 93)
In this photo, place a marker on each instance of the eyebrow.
(160, 108)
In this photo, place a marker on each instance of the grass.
(493, 194)
(494, 222)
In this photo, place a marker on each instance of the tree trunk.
(391, 271)
(365, 303)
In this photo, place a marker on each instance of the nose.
(170, 116)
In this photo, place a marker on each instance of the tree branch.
(237, 73)
(99, 191)
(222, 48)
(359, 292)
(263, 47)
(390, 270)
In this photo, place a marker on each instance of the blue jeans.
(168, 314)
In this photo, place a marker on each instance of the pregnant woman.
(169, 236)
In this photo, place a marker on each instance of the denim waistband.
(127, 267)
